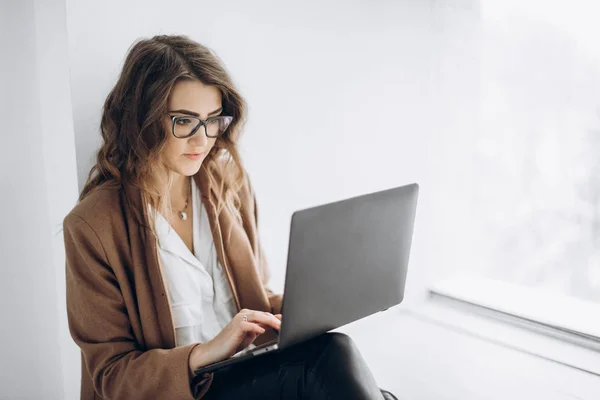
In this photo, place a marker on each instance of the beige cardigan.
(117, 305)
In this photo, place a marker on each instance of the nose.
(199, 139)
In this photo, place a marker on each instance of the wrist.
(200, 356)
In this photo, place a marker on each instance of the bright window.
(532, 213)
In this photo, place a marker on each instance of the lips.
(194, 156)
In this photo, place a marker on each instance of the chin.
(190, 169)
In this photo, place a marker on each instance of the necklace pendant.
(183, 215)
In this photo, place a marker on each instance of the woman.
(165, 273)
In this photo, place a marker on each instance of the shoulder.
(97, 209)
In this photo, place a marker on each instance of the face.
(190, 98)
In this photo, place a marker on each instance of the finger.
(262, 317)
(247, 341)
(263, 326)
(246, 312)
(278, 316)
(249, 337)
(252, 327)
(265, 319)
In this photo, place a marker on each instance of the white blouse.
(201, 299)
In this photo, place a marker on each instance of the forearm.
(157, 373)
(202, 354)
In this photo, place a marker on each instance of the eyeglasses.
(185, 126)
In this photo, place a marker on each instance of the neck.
(180, 189)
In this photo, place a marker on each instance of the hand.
(251, 336)
(243, 329)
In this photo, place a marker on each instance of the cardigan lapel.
(144, 253)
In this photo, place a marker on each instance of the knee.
(338, 339)
(330, 346)
(338, 355)
(337, 343)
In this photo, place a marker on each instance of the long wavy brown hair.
(131, 121)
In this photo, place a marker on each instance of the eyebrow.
(195, 114)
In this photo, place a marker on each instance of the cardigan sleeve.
(100, 326)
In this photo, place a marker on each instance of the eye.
(183, 121)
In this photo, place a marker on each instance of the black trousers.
(327, 367)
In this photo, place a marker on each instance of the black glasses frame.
(175, 118)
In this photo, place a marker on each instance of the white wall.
(344, 98)
(339, 95)
(38, 181)
(341, 98)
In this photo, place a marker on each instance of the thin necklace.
(182, 214)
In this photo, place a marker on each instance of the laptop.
(346, 260)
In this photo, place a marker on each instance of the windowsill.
(555, 328)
